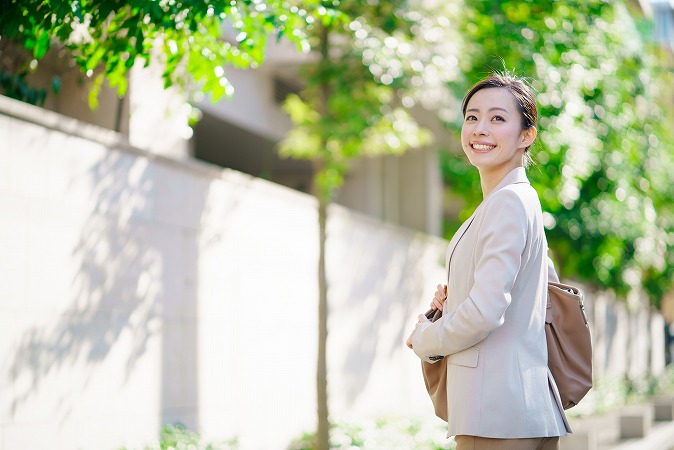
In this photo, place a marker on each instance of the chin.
(481, 159)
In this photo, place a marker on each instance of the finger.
(409, 340)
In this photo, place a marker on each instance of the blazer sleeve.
(499, 247)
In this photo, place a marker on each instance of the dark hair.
(519, 88)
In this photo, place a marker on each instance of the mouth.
(482, 148)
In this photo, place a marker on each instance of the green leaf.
(42, 45)
(95, 89)
(56, 84)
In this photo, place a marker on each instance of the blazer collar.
(517, 175)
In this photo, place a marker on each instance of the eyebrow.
(490, 109)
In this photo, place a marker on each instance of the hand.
(422, 318)
(439, 297)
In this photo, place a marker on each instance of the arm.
(500, 243)
(552, 273)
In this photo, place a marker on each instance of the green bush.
(608, 394)
(177, 437)
(395, 432)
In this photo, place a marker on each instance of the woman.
(492, 331)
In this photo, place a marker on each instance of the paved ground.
(661, 437)
(605, 431)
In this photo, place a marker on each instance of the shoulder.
(503, 210)
(512, 208)
(511, 196)
(519, 196)
(504, 220)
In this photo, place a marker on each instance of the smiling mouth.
(482, 148)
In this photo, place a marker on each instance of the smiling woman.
(499, 127)
(500, 393)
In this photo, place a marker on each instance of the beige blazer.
(493, 326)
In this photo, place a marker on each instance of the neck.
(491, 177)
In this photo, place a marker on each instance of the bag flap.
(563, 298)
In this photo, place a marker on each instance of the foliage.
(604, 149)
(15, 66)
(384, 58)
(392, 432)
(177, 437)
(349, 108)
(15, 86)
(106, 37)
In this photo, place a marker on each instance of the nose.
(480, 129)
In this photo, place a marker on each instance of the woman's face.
(492, 135)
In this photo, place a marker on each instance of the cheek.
(465, 133)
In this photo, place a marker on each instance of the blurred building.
(242, 132)
(663, 17)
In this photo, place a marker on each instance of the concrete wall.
(138, 290)
(627, 336)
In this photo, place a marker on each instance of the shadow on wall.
(124, 341)
(402, 265)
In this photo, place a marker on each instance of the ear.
(528, 137)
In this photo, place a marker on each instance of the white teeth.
(483, 147)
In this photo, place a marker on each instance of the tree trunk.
(323, 430)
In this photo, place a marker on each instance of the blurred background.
(219, 220)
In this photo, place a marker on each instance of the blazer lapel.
(457, 237)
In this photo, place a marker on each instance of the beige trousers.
(464, 442)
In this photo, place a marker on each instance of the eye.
(470, 118)
(498, 119)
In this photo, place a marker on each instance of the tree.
(375, 60)
(106, 38)
(344, 112)
(605, 153)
